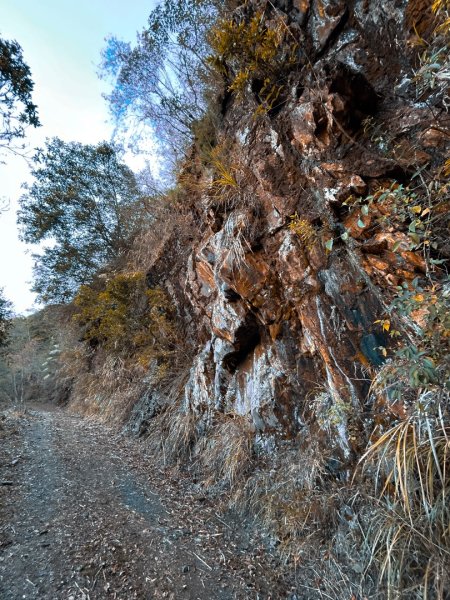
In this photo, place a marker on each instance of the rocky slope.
(290, 275)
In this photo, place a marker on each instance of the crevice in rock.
(361, 97)
(247, 337)
(335, 33)
(231, 295)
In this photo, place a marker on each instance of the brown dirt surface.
(84, 515)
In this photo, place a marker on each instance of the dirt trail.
(82, 518)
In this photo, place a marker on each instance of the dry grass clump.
(236, 235)
(226, 180)
(104, 385)
(172, 434)
(289, 496)
(410, 530)
(226, 452)
(218, 453)
(305, 231)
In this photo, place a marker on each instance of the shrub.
(254, 52)
(433, 74)
(421, 210)
(410, 462)
(127, 318)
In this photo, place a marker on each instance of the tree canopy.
(17, 110)
(84, 204)
(161, 80)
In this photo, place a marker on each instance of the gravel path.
(84, 516)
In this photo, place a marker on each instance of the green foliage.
(6, 316)
(17, 110)
(85, 202)
(127, 318)
(419, 361)
(431, 306)
(434, 72)
(421, 210)
(253, 50)
(420, 364)
(404, 208)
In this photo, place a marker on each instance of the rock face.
(288, 304)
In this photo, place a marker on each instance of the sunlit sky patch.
(61, 42)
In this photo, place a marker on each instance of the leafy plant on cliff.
(418, 212)
(126, 318)
(257, 52)
(433, 75)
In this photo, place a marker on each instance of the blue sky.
(61, 42)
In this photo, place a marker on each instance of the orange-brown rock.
(289, 314)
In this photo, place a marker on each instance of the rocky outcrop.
(289, 303)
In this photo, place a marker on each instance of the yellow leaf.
(386, 325)
(418, 298)
(416, 209)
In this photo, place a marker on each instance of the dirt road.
(83, 516)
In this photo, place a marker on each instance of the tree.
(85, 203)
(161, 81)
(30, 366)
(6, 316)
(17, 110)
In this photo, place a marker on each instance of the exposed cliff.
(302, 249)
